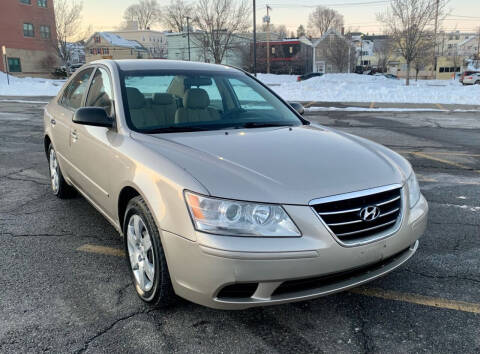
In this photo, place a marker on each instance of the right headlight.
(236, 218)
(413, 190)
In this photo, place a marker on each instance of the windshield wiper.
(263, 125)
(174, 129)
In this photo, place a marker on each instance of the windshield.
(166, 102)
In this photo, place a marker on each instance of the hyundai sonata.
(224, 194)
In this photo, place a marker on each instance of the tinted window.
(73, 95)
(100, 93)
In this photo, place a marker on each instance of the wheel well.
(126, 195)
(46, 143)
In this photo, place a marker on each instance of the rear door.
(62, 114)
(91, 147)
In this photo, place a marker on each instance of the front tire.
(145, 255)
(60, 188)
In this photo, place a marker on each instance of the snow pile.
(366, 88)
(29, 86)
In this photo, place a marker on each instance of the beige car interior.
(179, 104)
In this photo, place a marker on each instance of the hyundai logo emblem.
(369, 213)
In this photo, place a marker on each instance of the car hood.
(278, 165)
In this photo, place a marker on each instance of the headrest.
(177, 87)
(196, 98)
(136, 99)
(162, 99)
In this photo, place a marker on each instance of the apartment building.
(27, 30)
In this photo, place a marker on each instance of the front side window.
(45, 32)
(165, 102)
(75, 91)
(28, 30)
(14, 65)
(28, 2)
(42, 3)
(100, 92)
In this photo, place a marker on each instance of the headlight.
(233, 218)
(413, 190)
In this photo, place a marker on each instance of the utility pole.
(266, 20)
(188, 36)
(254, 38)
(435, 59)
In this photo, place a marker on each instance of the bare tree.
(218, 21)
(68, 23)
(175, 14)
(340, 53)
(407, 21)
(425, 54)
(146, 13)
(383, 48)
(322, 19)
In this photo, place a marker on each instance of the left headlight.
(413, 190)
(235, 218)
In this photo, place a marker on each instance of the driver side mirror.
(298, 107)
(94, 116)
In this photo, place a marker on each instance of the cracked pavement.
(55, 298)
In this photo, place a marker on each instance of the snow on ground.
(29, 86)
(366, 88)
(328, 88)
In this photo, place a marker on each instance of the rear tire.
(60, 188)
(145, 255)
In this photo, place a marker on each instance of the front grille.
(343, 216)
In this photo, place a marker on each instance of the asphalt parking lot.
(64, 286)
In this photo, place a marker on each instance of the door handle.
(53, 121)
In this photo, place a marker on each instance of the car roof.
(163, 64)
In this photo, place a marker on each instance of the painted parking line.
(108, 251)
(419, 299)
(437, 159)
(372, 292)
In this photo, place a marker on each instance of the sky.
(359, 15)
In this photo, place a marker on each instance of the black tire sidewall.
(138, 207)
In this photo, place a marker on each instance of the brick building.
(27, 30)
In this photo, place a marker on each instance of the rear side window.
(73, 95)
(100, 92)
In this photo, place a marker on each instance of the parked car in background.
(471, 78)
(308, 76)
(224, 194)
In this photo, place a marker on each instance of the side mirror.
(94, 116)
(298, 107)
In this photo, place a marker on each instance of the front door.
(61, 118)
(91, 147)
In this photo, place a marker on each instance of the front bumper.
(201, 270)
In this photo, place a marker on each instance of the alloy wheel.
(140, 252)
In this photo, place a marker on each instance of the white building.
(178, 49)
